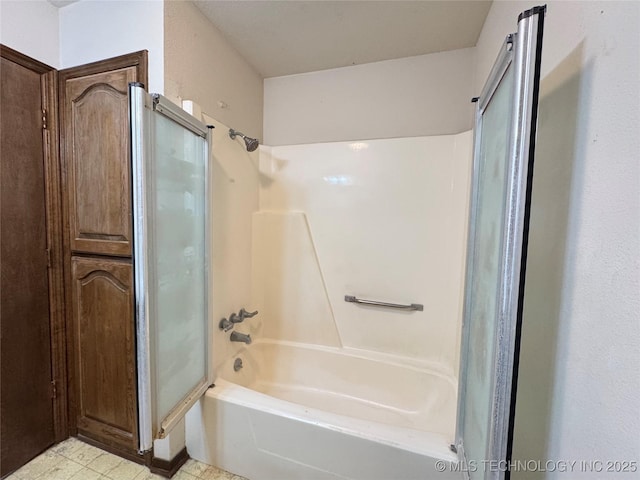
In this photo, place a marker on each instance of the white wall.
(31, 27)
(92, 30)
(579, 385)
(415, 96)
(201, 66)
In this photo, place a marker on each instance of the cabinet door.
(103, 327)
(95, 127)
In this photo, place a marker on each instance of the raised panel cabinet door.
(96, 152)
(103, 317)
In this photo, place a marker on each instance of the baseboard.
(168, 468)
(131, 455)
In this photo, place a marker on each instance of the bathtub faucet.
(240, 337)
(242, 314)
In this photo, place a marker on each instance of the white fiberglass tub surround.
(298, 411)
(329, 389)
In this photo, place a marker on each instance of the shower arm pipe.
(374, 303)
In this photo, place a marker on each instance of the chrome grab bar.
(413, 307)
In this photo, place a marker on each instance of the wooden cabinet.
(103, 303)
(95, 125)
(95, 151)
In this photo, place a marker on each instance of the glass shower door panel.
(496, 254)
(177, 270)
(484, 275)
(170, 197)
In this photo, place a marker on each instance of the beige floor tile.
(76, 460)
(67, 446)
(194, 467)
(126, 471)
(104, 463)
(214, 473)
(36, 467)
(87, 474)
(62, 471)
(147, 475)
(84, 454)
(182, 475)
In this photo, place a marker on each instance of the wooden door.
(27, 414)
(103, 307)
(95, 125)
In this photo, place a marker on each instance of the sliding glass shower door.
(170, 152)
(496, 255)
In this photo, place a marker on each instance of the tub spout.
(240, 337)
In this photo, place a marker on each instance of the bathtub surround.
(288, 285)
(381, 219)
(330, 389)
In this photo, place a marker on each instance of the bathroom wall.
(380, 219)
(234, 198)
(201, 66)
(31, 28)
(578, 390)
(415, 96)
(100, 29)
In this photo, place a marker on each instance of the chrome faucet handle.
(244, 314)
(241, 315)
(225, 325)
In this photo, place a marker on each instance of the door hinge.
(44, 119)
(54, 389)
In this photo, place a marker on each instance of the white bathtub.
(297, 411)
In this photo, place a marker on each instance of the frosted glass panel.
(484, 276)
(177, 261)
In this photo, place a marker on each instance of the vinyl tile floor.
(76, 460)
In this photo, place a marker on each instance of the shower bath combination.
(250, 143)
(331, 392)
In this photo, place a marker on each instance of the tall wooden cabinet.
(96, 164)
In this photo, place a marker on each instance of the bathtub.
(298, 411)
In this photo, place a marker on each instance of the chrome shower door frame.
(520, 51)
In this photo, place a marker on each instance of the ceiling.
(280, 37)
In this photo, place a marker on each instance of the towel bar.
(413, 307)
